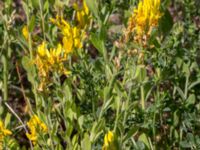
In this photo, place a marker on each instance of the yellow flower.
(77, 37)
(42, 50)
(36, 127)
(50, 61)
(3, 133)
(60, 22)
(145, 17)
(25, 32)
(72, 36)
(109, 141)
(63, 25)
(41, 60)
(82, 14)
(68, 44)
(108, 138)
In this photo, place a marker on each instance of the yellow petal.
(67, 44)
(25, 32)
(7, 132)
(85, 8)
(110, 136)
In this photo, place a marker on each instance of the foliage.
(97, 74)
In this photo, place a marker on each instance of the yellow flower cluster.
(72, 36)
(3, 132)
(49, 61)
(82, 14)
(36, 127)
(109, 141)
(145, 17)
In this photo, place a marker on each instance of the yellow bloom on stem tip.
(109, 141)
(82, 14)
(72, 36)
(36, 128)
(61, 23)
(50, 61)
(145, 17)
(42, 50)
(25, 32)
(3, 131)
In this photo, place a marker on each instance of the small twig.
(23, 125)
(19, 127)
(22, 88)
(20, 80)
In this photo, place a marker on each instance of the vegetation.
(99, 74)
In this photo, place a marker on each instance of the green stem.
(29, 37)
(142, 97)
(127, 105)
(31, 57)
(154, 127)
(42, 17)
(186, 86)
(5, 77)
(117, 115)
(105, 55)
(93, 109)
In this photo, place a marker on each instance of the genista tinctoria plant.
(99, 74)
(53, 60)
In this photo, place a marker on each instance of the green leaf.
(46, 6)
(142, 73)
(25, 7)
(193, 84)
(180, 92)
(32, 24)
(85, 143)
(130, 133)
(185, 144)
(35, 3)
(179, 62)
(143, 137)
(107, 104)
(108, 90)
(176, 134)
(7, 119)
(97, 43)
(191, 100)
(166, 23)
(103, 32)
(137, 72)
(97, 129)
(93, 7)
(30, 69)
(175, 118)
(68, 91)
(186, 68)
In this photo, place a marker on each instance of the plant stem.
(29, 37)
(127, 105)
(42, 17)
(117, 115)
(105, 55)
(31, 57)
(142, 97)
(5, 77)
(186, 86)
(93, 109)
